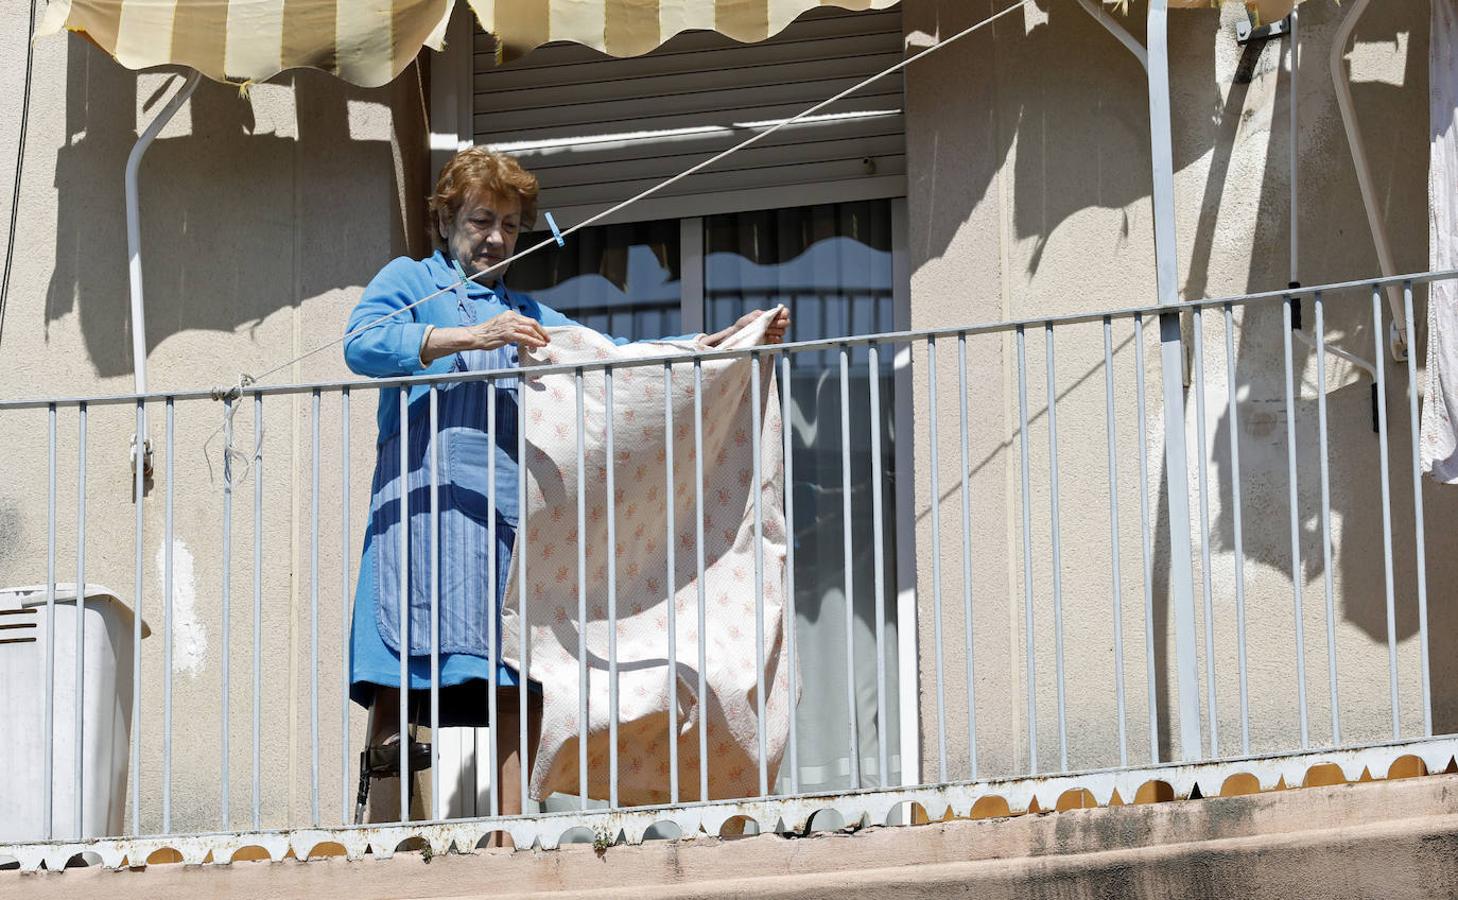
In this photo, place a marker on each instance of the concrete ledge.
(1391, 839)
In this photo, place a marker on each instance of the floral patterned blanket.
(660, 604)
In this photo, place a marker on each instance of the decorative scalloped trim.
(776, 814)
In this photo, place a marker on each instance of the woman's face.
(484, 233)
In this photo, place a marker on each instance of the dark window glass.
(831, 265)
(622, 280)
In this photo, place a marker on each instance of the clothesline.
(245, 379)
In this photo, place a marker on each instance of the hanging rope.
(233, 394)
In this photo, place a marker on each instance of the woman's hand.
(774, 333)
(510, 327)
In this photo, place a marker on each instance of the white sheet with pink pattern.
(646, 609)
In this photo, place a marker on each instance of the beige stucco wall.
(1028, 147)
(263, 215)
(1030, 195)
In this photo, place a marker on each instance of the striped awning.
(631, 27)
(365, 42)
(369, 42)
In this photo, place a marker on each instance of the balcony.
(1097, 559)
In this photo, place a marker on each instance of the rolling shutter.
(597, 130)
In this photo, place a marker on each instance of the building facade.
(1006, 178)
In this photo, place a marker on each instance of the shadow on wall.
(238, 222)
(1083, 141)
(1080, 125)
(1336, 245)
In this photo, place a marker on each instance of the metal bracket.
(146, 457)
(1396, 342)
(1245, 30)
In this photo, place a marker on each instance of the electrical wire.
(19, 162)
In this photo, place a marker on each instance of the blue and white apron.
(467, 503)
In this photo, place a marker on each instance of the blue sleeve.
(391, 348)
(550, 318)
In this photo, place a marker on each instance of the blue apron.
(467, 501)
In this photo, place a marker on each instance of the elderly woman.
(481, 204)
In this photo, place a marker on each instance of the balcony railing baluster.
(1145, 539)
(1115, 570)
(1321, 431)
(936, 536)
(1025, 494)
(1202, 470)
(1419, 536)
(850, 623)
(1378, 334)
(1289, 384)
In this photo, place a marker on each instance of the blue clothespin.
(556, 232)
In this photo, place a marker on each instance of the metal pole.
(139, 489)
(1418, 520)
(1118, 592)
(1208, 591)
(878, 566)
(345, 607)
(670, 547)
(78, 771)
(757, 430)
(1331, 645)
(964, 423)
(848, 557)
(134, 237)
(582, 675)
(1029, 637)
(1146, 540)
(787, 432)
(225, 711)
(434, 444)
(1293, 502)
(50, 724)
(936, 536)
(1056, 544)
(314, 611)
(1238, 533)
(612, 587)
(404, 604)
(1386, 510)
(257, 609)
(521, 552)
(493, 621)
(167, 599)
(700, 636)
(1181, 574)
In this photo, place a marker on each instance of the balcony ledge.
(1393, 839)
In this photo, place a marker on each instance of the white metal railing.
(1024, 753)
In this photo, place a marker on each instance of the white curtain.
(1440, 414)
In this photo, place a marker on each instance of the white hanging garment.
(1440, 413)
(650, 682)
